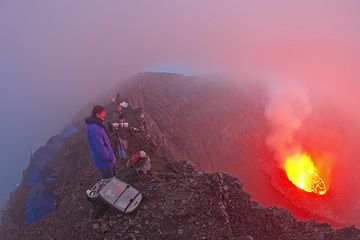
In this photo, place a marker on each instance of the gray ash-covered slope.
(180, 201)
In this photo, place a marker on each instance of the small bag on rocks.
(141, 162)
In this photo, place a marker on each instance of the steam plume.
(287, 108)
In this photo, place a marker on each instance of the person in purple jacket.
(102, 153)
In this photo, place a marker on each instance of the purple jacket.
(100, 147)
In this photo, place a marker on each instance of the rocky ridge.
(180, 202)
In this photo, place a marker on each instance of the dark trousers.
(107, 172)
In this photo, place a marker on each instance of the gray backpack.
(116, 193)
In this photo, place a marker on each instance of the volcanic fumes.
(288, 107)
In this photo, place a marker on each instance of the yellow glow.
(302, 173)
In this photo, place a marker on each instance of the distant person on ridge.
(100, 147)
(117, 108)
(123, 135)
(124, 107)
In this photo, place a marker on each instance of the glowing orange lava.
(302, 173)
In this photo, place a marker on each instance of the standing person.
(100, 147)
(123, 134)
(117, 108)
(124, 108)
(113, 117)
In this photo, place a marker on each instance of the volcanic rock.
(184, 198)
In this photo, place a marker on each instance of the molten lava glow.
(302, 172)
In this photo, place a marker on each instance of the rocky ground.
(180, 202)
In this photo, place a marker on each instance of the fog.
(57, 56)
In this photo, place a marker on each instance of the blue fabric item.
(38, 174)
(70, 130)
(40, 202)
(35, 174)
(100, 147)
(38, 168)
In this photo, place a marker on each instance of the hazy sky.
(56, 56)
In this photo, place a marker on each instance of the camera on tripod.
(117, 125)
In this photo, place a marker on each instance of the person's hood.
(93, 120)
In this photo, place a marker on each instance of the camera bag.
(116, 193)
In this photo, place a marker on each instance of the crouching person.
(100, 147)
